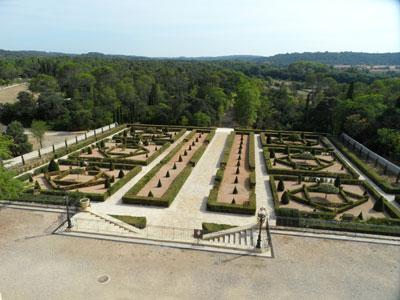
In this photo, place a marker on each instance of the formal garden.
(160, 185)
(234, 187)
(312, 186)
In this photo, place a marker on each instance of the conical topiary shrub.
(233, 201)
(167, 175)
(180, 158)
(239, 157)
(379, 205)
(121, 174)
(185, 153)
(159, 183)
(150, 194)
(281, 186)
(147, 155)
(197, 139)
(190, 147)
(272, 154)
(174, 167)
(338, 181)
(360, 216)
(37, 185)
(236, 180)
(235, 191)
(193, 143)
(237, 171)
(53, 166)
(107, 183)
(238, 164)
(155, 149)
(285, 198)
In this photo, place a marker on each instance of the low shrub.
(138, 222)
(214, 227)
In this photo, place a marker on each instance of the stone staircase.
(244, 237)
(99, 223)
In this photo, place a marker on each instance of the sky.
(171, 28)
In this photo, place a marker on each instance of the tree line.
(79, 93)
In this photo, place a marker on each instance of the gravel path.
(263, 190)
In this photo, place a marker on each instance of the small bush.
(53, 166)
(281, 186)
(285, 198)
(121, 174)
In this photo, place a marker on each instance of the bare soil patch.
(194, 143)
(229, 189)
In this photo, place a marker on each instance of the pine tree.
(150, 194)
(174, 167)
(121, 174)
(167, 175)
(180, 158)
(159, 183)
(236, 180)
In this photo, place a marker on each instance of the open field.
(39, 265)
(8, 94)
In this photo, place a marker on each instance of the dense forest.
(82, 92)
(329, 58)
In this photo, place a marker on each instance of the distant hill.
(330, 58)
(338, 58)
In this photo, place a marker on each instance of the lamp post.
(68, 216)
(261, 216)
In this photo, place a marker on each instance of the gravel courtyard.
(38, 265)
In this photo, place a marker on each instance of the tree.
(5, 145)
(38, 129)
(9, 186)
(20, 145)
(247, 103)
(201, 119)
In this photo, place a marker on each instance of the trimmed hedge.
(369, 171)
(63, 151)
(227, 150)
(214, 227)
(132, 198)
(120, 183)
(41, 198)
(199, 153)
(312, 173)
(138, 222)
(252, 153)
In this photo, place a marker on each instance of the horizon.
(181, 29)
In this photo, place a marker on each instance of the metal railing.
(368, 154)
(20, 160)
(351, 227)
(152, 232)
